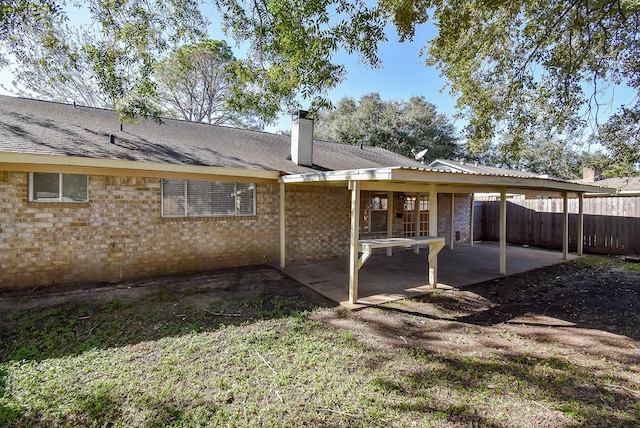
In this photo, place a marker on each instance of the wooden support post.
(389, 220)
(432, 259)
(471, 215)
(565, 225)
(433, 231)
(580, 246)
(354, 186)
(451, 224)
(433, 210)
(503, 231)
(416, 211)
(283, 235)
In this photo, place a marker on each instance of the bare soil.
(603, 296)
(583, 315)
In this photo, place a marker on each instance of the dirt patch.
(208, 287)
(58, 321)
(605, 297)
(569, 333)
(592, 304)
(558, 346)
(590, 293)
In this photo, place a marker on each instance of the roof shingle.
(41, 127)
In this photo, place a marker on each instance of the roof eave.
(34, 162)
(424, 176)
(340, 176)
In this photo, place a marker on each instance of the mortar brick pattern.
(461, 214)
(317, 222)
(120, 233)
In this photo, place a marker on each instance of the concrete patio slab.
(405, 274)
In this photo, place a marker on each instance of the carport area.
(405, 274)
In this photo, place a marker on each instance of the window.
(189, 198)
(411, 217)
(54, 187)
(373, 213)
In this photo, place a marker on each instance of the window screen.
(74, 188)
(192, 198)
(54, 187)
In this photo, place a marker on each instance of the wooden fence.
(619, 206)
(604, 233)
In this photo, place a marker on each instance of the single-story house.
(85, 197)
(624, 186)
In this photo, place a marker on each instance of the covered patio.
(394, 267)
(405, 274)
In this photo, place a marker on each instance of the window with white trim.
(191, 198)
(373, 213)
(55, 187)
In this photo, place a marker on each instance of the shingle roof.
(41, 127)
(473, 168)
(625, 184)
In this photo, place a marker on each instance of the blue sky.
(403, 73)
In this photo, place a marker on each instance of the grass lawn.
(176, 356)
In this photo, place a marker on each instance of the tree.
(540, 67)
(291, 44)
(64, 71)
(538, 154)
(621, 136)
(116, 56)
(528, 66)
(400, 126)
(194, 84)
(515, 67)
(15, 15)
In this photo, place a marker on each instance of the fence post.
(565, 225)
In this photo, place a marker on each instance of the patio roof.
(432, 181)
(408, 179)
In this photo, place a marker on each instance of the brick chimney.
(302, 139)
(591, 175)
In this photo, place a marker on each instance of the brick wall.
(317, 222)
(461, 214)
(120, 233)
